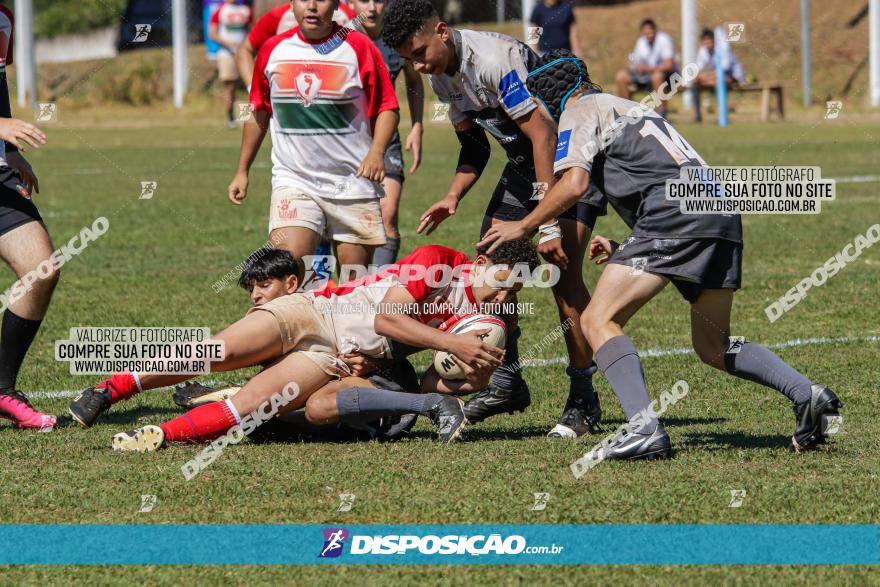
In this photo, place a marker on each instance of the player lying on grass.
(24, 245)
(481, 78)
(300, 337)
(328, 97)
(269, 274)
(700, 254)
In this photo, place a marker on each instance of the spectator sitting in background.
(554, 27)
(707, 78)
(651, 63)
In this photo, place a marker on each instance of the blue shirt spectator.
(553, 27)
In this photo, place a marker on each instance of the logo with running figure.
(334, 540)
(534, 35)
(832, 109)
(141, 32)
(735, 31)
(46, 112)
(307, 86)
(148, 189)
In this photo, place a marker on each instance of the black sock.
(358, 406)
(509, 375)
(387, 253)
(757, 363)
(580, 387)
(620, 362)
(16, 336)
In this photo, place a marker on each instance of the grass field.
(155, 267)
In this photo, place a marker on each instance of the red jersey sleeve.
(261, 91)
(375, 78)
(267, 26)
(215, 18)
(433, 258)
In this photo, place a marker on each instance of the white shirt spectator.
(653, 54)
(729, 63)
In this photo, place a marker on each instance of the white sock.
(233, 411)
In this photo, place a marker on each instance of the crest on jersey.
(307, 86)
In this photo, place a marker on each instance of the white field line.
(530, 363)
(857, 179)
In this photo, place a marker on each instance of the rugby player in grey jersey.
(629, 154)
(481, 77)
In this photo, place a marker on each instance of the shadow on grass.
(130, 416)
(726, 440)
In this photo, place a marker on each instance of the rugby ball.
(446, 364)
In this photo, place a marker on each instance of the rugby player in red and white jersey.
(228, 28)
(327, 95)
(24, 246)
(301, 337)
(276, 21)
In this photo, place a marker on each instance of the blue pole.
(720, 85)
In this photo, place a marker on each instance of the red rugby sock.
(201, 424)
(121, 385)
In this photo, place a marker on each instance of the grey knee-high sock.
(620, 362)
(509, 375)
(358, 406)
(387, 253)
(757, 363)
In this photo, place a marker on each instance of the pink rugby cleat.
(15, 406)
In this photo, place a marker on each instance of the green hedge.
(61, 17)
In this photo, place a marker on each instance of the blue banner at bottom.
(441, 544)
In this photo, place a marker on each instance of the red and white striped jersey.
(323, 97)
(232, 22)
(437, 277)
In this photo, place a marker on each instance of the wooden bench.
(767, 89)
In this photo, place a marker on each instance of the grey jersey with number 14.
(631, 170)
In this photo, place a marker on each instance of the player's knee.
(43, 278)
(592, 321)
(622, 77)
(320, 408)
(657, 78)
(710, 350)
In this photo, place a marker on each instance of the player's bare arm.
(542, 133)
(245, 58)
(415, 97)
(393, 323)
(373, 165)
(565, 192)
(21, 134)
(213, 34)
(601, 249)
(251, 138)
(472, 160)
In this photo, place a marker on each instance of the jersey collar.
(335, 31)
(459, 56)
